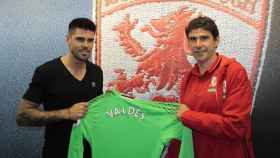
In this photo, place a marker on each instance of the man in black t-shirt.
(63, 86)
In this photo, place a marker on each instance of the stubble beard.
(80, 57)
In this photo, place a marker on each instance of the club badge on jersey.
(213, 85)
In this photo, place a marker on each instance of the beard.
(81, 55)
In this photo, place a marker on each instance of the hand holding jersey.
(77, 111)
(182, 108)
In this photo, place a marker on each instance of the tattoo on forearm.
(34, 117)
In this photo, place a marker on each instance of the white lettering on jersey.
(129, 111)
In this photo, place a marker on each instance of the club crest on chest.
(213, 85)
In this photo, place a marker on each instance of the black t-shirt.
(56, 88)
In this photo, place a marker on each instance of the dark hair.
(205, 23)
(83, 23)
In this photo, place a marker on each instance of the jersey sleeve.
(76, 147)
(35, 91)
(186, 149)
(171, 128)
(234, 119)
(81, 134)
(174, 129)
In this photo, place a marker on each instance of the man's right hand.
(77, 111)
(29, 114)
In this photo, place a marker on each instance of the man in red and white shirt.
(216, 97)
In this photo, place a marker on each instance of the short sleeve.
(37, 87)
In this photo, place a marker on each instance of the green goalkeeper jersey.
(120, 127)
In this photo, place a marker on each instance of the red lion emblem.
(163, 65)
